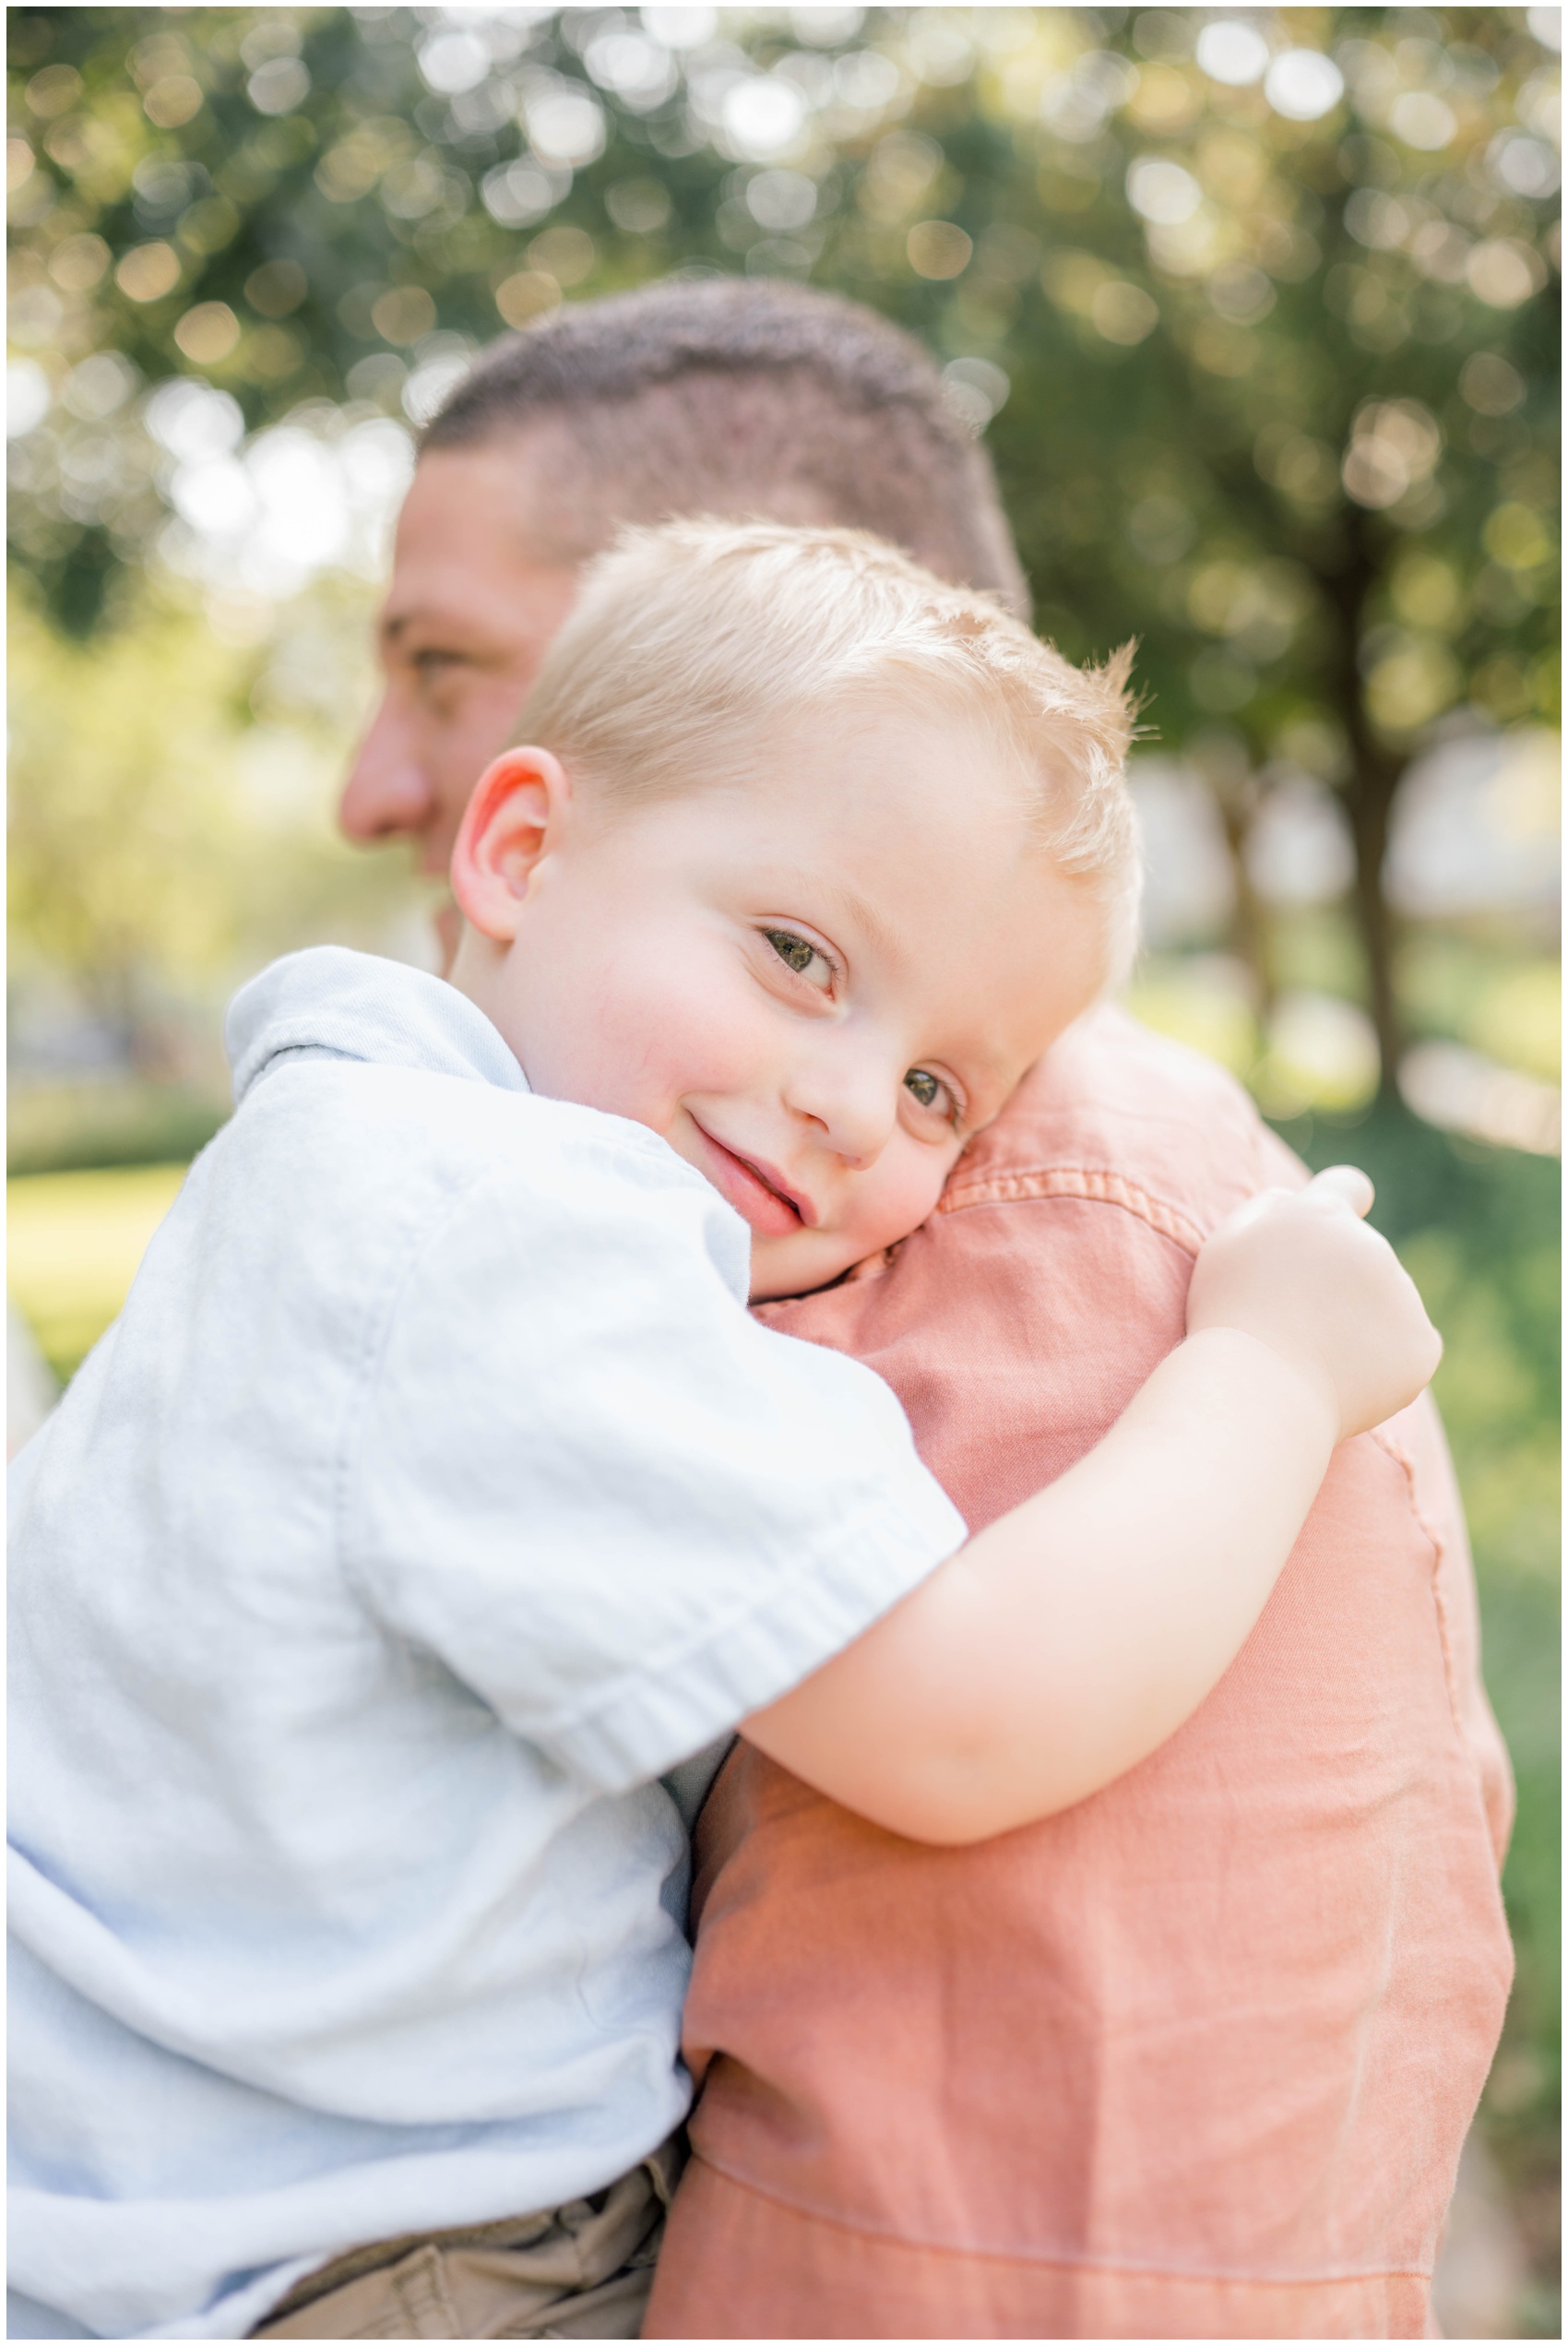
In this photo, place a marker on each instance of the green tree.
(163, 840)
(1266, 318)
(1260, 315)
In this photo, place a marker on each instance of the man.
(1206, 2069)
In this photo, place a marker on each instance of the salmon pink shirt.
(1196, 2057)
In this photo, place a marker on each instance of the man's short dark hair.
(741, 396)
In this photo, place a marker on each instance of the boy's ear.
(515, 814)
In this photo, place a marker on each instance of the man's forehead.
(489, 500)
(470, 551)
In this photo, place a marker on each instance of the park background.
(1257, 312)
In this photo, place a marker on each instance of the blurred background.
(1257, 310)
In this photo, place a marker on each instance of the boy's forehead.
(912, 825)
(896, 825)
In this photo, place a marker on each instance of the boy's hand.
(1300, 1271)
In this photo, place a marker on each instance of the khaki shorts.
(582, 2270)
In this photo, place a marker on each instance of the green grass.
(73, 1244)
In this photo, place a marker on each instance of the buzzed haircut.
(742, 398)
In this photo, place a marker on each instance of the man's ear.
(514, 815)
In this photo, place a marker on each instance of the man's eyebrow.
(395, 624)
(444, 625)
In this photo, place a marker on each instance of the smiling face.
(817, 985)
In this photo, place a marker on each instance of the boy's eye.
(930, 1091)
(798, 952)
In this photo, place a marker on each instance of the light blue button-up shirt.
(434, 1495)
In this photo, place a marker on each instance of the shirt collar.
(355, 1006)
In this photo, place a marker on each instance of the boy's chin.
(801, 1264)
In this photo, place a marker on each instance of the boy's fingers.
(1346, 1183)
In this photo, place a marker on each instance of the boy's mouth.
(757, 1190)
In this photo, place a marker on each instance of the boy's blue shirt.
(434, 1495)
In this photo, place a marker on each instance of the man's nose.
(852, 1095)
(387, 792)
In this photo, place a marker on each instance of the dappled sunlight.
(1255, 312)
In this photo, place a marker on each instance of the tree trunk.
(1369, 801)
(1368, 795)
(1249, 928)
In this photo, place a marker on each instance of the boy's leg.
(582, 2270)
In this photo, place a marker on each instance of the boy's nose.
(851, 1096)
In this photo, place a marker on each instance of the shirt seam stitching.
(1393, 1449)
(1095, 1183)
(656, 1675)
(1063, 2258)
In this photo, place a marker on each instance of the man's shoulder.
(1118, 1112)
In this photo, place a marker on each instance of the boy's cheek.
(646, 1043)
(905, 1194)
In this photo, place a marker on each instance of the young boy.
(435, 1495)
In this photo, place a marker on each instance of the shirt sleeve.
(618, 1508)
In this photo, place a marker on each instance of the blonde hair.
(693, 644)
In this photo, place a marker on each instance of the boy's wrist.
(1303, 1381)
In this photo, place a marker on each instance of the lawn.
(73, 1241)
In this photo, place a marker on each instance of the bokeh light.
(1255, 311)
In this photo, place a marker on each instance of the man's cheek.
(470, 719)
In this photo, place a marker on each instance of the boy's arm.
(1071, 1638)
(1076, 1634)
